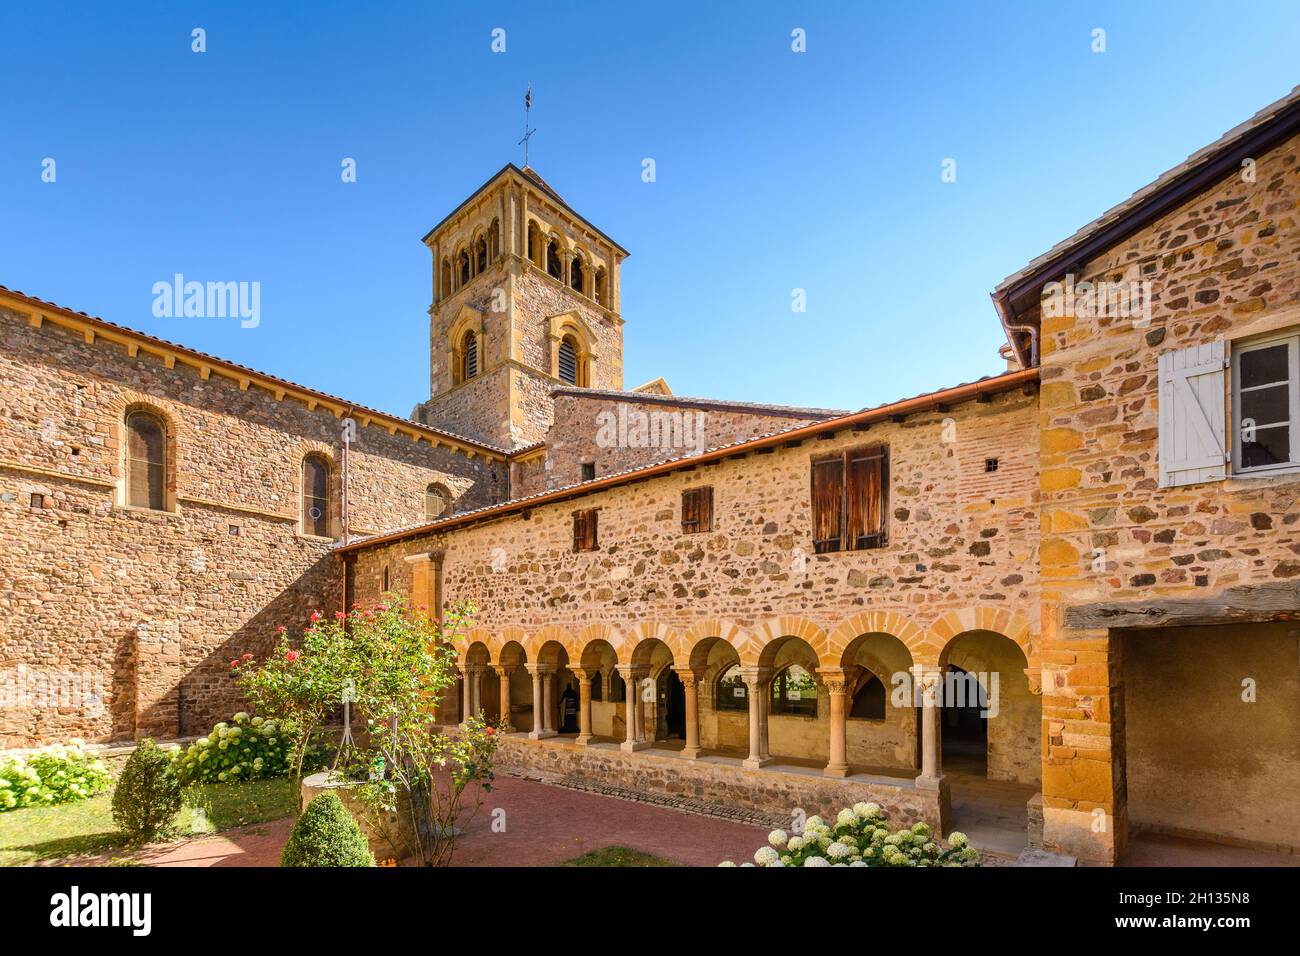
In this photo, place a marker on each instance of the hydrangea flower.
(777, 838)
(765, 856)
(816, 861)
(838, 851)
(846, 818)
(957, 840)
(866, 810)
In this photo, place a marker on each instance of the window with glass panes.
(1266, 404)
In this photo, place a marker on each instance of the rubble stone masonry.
(150, 606)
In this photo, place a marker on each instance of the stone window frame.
(430, 489)
(1291, 338)
(468, 320)
(331, 499)
(173, 431)
(569, 324)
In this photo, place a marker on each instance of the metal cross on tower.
(528, 133)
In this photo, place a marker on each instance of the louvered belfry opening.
(469, 349)
(568, 361)
(849, 499)
(575, 274)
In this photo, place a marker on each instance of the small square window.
(697, 510)
(588, 471)
(990, 464)
(38, 500)
(234, 529)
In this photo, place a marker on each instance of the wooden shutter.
(866, 497)
(584, 530)
(697, 510)
(471, 355)
(146, 470)
(1192, 447)
(828, 504)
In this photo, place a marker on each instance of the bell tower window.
(554, 268)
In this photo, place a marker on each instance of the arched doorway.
(671, 712)
(964, 729)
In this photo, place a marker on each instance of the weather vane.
(528, 105)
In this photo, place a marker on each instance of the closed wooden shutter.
(1192, 447)
(865, 497)
(828, 504)
(697, 510)
(584, 530)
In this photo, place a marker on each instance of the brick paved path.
(544, 825)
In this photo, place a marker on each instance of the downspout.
(1007, 313)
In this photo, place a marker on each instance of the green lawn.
(86, 827)
(617, 856)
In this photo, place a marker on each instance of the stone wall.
(780, 792)
(616, 433)
(150, 606)
(1222, 267)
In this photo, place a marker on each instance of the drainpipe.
(1007, 313)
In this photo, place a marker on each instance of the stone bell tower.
(525, 299)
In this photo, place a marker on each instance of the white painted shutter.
(1192, 447)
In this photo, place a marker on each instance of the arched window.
(494, 240)
(480, 255)
(464, 267)
(316, 496)
(554, 268)
(534, 243)
(568, 360)
(597, 687)
(468, 355)
(869, 701)
(730, 692)
(575, 274)
(385, 588)
(437, 500)
(598, 287)
(146, 461)
(445, 284)
(794, 692)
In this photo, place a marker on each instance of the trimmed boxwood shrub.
(326, 835)
(148, 794)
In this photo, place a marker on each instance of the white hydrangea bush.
(860, 836)
(59, 773)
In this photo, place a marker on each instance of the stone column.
(503, 675)
(755, 679)
(584, 707)
(477, 695)
(634, 739)
(930, 681)
(836, 686)
(548, 702)
(690, 684)
(539, 704)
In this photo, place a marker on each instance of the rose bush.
(859, 836)
(59, 773)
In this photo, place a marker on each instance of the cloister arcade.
(876, 694)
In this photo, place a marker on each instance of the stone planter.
(392, 838)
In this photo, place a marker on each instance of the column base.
(631, 746)
(540, 734)
(836, 770)
(753, 763)
(691, 753)
(582, 740)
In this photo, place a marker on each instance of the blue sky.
(775, 170)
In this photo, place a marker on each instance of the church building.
(1062, 597)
